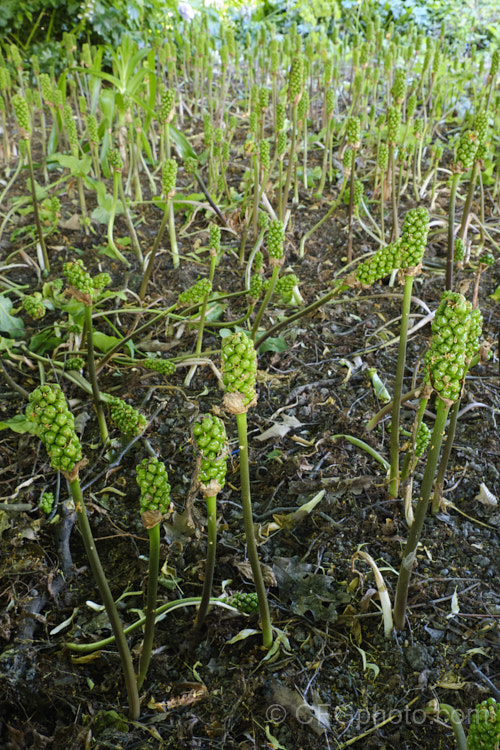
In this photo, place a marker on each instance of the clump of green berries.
(152, 478)
(47, 502)
(239, 367)
(414, 236)
(55, 426)
(484, 730)
(33, 305)
(163, 366)
(275, 241)
(195, 293)
(128, 420)
(245, 602)
(210, 436)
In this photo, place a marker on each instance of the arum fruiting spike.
(152, 479)
(55, 424)
(33, 305)
(484, 730)
(128, 420)
(195, 293)
(239, 366)
(163, 366)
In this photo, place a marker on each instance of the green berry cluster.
(168, 177)
(399, 86)
(164, 366)
(47, 502)
(285, 286)
(466, 150)
(414, 236)
(280, 116)
(474, 334)
(275, 240)
(348, 161)
(152, 479)
(446, 359)
(459, 250)
(393, 123)
(263, 220)
(382, 263)
(303, 106)
(101, 281)
(214, 238)
(258, 260)
(255, 289)
(70, 126)
(245, 602)
(167, 105)
(357, 193)
(383, 157)
(115, 160)
(33, 305)
(128, 420)
(411, 106)
(48, 409)
(353, 132)
(239, 366)
(265, 154)
(281, 144)
(80, 279)
(195, 293)
(92, 129)
(75, 363)
(484, 730)
(422, 440)
(21, 111)
(296, 80)
(210, 436)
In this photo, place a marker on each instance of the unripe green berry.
(383, 157)
(296, 80)
(75, 363)
(459, 250)
(414, 236)
(167, 111)
(214, 238)
(265, 154)
(195, 293)
(78, 277)
(47, 503)
(255, 289)
(466, 149)
(92, 129)
(393, 123)
(281, 144)
(423, 439)
(239, 366)
(247, 603)
(484, 729)
(21, 111)
(411, 106)
(353, 132)
(399, 85)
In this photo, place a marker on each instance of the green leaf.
(77, 167)
(496, 295)
(276, 344)
(44, 342)
(105, 342)
(20, 424)
(8, 323)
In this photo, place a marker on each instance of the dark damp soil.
(334, 680)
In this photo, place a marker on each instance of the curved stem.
(265, 618)
(103, 429)
(108, 601)
(38, 224)
(398, 388)
(149, 630)
(111, 219)
(410, 550)
(454, 719)
(210, 561)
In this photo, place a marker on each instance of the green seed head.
(163, 366)
(353, 132)
(47, 502)
(75, 363)
(423, 439)
(214, 239)
(484, 729)
(348, 161)
(128, 420)
(296, 80)
(481, 125)
(411, 106)
(399, 85)
(393, 123)
(459, 250)
(384, 262)
(285, 286)
(330, 102)
(466, 149)
(265, 154)
(92, 129)
(70, 126)
(495, 60)
(247, 603)
(303, 106)
(357, 193)
(55, 424)
(383, 157)
(239, 369)
(281, 144)
(21, 111)
(195, 293)
(167, 110)
(210, 436)
(275, 241)
(168, 178)
(255, 289)
(33, 305)
(152, 478)
(414, 236)
(446, 359)
(79, 279)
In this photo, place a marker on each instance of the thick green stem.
(108, 601)
(265, 301)
(210, 561)
(111, 219)
(454, 719)
(410, 549)
(38, 224)
(101, 419)
(398, 388)
(265, 618)
(394, 195)
(450, 254)
(149, 629)
(128, 219)
(443, 464)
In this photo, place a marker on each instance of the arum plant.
(239, 368)
(169, 175)
(55, 426)
(210, 436)
(446, 363)
(484, 728)
(275, 242)
(86, 289)
(21, 111)
(412, 246)
(116, 164)
(152, 479)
